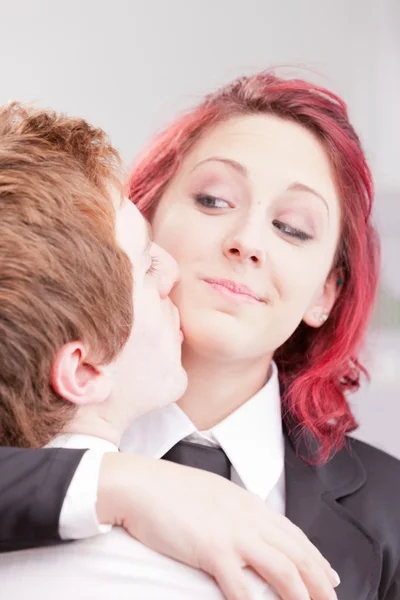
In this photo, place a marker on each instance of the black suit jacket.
(33, 484)
(350, 509)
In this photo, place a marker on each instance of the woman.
(263, 196)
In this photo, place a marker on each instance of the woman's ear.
(319, 311)
(77, 380)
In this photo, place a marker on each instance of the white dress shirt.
(251, 437)
(113, 565)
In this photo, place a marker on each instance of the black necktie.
(200, 457)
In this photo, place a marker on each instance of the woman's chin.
(214, 341)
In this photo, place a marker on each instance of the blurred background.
(130, 65)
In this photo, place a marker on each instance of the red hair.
(316, 366)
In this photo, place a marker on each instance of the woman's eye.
(293, 232)
(208, 201)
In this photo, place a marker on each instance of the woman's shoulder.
(377, 463)
(374, 507)
(376, 501)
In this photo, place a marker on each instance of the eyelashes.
(211, 202)
(154, 265)
(293, 232)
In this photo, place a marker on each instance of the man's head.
(67, 245)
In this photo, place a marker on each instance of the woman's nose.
(246, 244)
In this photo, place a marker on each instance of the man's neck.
(88, 421)
(217, 389)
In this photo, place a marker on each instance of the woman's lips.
(233, 291)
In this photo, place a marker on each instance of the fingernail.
(336, 578)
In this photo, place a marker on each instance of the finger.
(320, 588)
(290, 532)
(309, 549)
(309, 546)
(318, 579)
(278, 571)
(290, 581)
(232, 580)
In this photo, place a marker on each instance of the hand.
(211, 524)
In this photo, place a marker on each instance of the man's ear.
(77, 380)
(320, 309)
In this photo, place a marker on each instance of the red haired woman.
(263, 196)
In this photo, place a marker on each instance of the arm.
(192, 516)
(33, 484)
(211, 524)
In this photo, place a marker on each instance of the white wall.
(387, 148)
(129, 65)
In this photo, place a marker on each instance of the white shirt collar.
(79, 440)
(251, 437)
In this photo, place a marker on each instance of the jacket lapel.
(313, 496)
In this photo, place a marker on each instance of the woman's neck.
(217, 388)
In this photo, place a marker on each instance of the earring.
(321, 318)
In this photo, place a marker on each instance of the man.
(66, 315)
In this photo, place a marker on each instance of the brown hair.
(62, 275)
